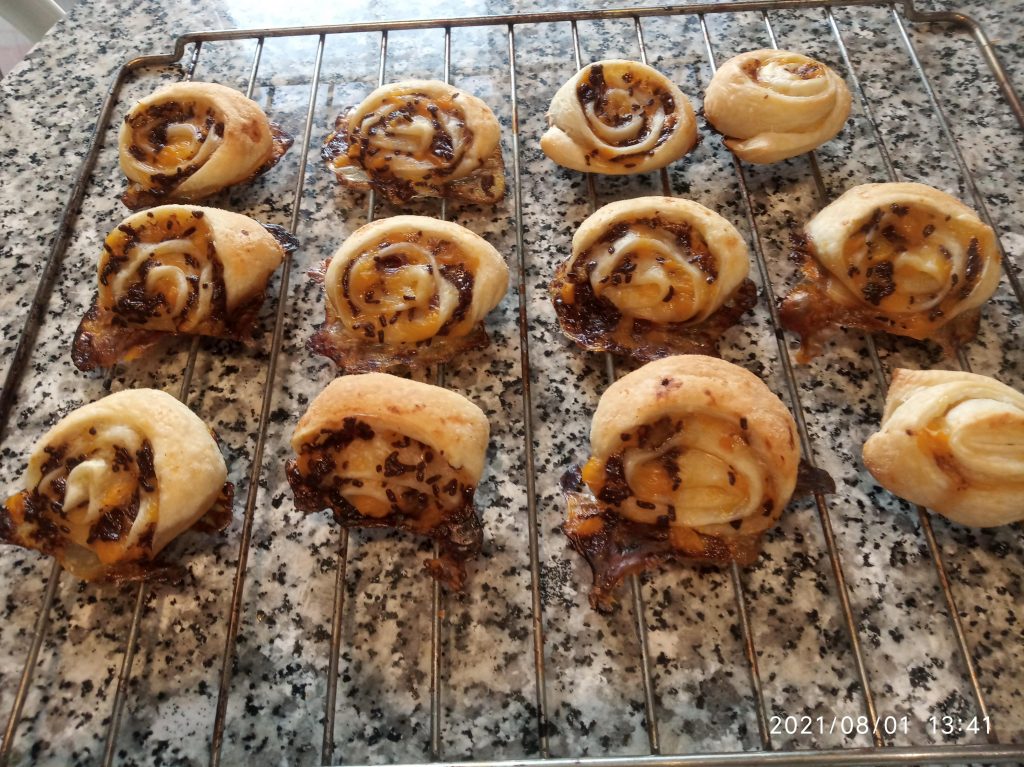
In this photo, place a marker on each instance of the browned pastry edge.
(24, 506)
(596, 325)
(459, 536)
(808, 311)
(354, 355)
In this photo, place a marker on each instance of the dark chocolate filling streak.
(36, 518)
(616, 547)
(153, 122)
(459, 533)
(104, 337)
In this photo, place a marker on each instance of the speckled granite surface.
(701, 681)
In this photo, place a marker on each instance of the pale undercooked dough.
(772, 104)
(953, 442)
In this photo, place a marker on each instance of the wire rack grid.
(523, 660)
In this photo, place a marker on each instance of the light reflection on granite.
(594, 694)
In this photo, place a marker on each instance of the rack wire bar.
(527, 405)
(234, 617)
(743, 611)
(131, 645)
(42, 622)
(877, 755)
(965, 172)
(639, 613)
(330, 704)
(923, 515)
(892, 756)
(842, 589)
(882, 380)
(38, 633)
(435, 588)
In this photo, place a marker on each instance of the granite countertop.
(701, 679)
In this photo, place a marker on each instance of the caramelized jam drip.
(373, 477)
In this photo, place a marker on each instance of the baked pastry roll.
(114, 482)
(408, 290)
(189, 140)
(653, 276)
(177, 269)
(953, 442)
(619, 117)
(419, 138)
(771, 104)
(898, 258)
(382, 451)
(691, 456)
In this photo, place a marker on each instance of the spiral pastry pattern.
(382, 451)
(953, 442)
(619, 117)
(189, 140)
(419, 138)
(899, 258)
(408, 290)
(177, 269)
(653, 276)
(691, 456)
(114, 482)
(771, 105)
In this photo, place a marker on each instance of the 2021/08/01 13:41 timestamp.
(955, 725)
(884, 725)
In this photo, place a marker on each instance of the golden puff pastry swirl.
(653, 276)
(383, 451)
(115, 481)
(771, 105)
(408, 290)
(953, 442)
(177, 269)
(900, 258)
(690, 456)
(419, 138)
(619, 117)
(188, 140)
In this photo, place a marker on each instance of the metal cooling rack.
(879, 753)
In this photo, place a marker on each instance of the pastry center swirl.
(164, 274)
(655, 271)
(405, 291)
(689, 470)
(979, 440)
(625, 112)
(412, 136)
(379, 472)
(94, 486)
(172, 140)
(909, 260)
